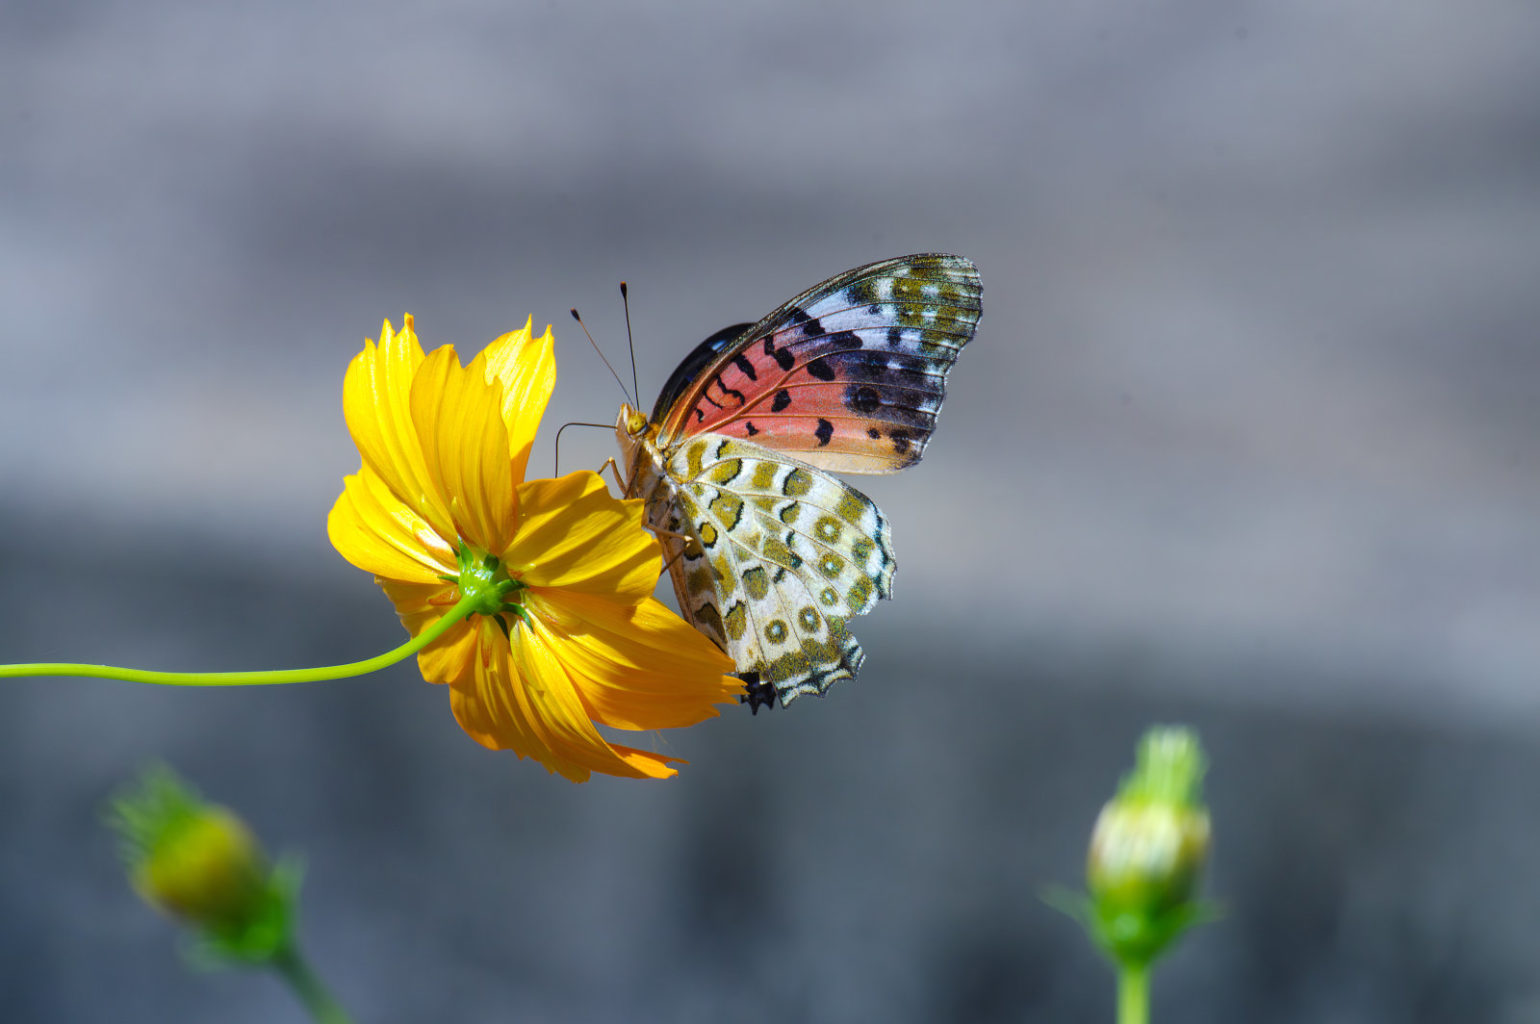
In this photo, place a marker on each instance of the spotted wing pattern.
(849, 375)
(778, 556)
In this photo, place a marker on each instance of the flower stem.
(1133, 993)
(292, 967)
(267, 678)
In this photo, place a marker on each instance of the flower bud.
(200, 863)
(1148, 849)
(1146, 858)
(207, 870)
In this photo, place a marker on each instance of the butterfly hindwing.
(780, 555)
(849, 375)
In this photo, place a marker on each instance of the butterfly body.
(769, 554)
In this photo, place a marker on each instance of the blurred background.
(1245, 440)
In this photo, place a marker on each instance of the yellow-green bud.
(207, 869)
(201, 864)
(1148, 850)
(1146, 857)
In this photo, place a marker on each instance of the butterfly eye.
(637, 425)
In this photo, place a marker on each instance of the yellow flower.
(440, 507)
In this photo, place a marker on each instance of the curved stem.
(292, 967)
(1133, 993)
(267, 678)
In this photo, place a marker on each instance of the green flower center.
(484, 578)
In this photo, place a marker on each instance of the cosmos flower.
(567, 635)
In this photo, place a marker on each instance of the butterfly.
(769, 554)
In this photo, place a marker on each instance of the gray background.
(1245, 440)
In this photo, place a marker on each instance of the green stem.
(268, 678)
(1133, 993)
(292, 967)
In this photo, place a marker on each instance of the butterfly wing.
(770, 557)
(848, 376)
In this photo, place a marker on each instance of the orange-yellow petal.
(376, 402)
(459, 423)
(637, 667)
(522, 699)
(372, 529)
(453, 656)
(480, 705)
(525, 366)
(450, 657)
(574, 534)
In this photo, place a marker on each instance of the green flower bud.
(207, 870)
(199, 863)
(1146, 858)
(1148, 850)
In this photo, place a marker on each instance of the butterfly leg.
(614, 468)
(683, 548)
(670, 563)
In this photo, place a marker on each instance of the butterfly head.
(632, 431)
(630, 425)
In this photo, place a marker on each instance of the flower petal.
(636, 667)
(371, 528)
(574, 534)
(458, 419)
(449, 657)
(526, 368)
(522, 699)
(376, 395)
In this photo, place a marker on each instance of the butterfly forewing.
(849, 375)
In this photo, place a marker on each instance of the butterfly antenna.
(619, 383)
(625, 303)
(573, 423)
